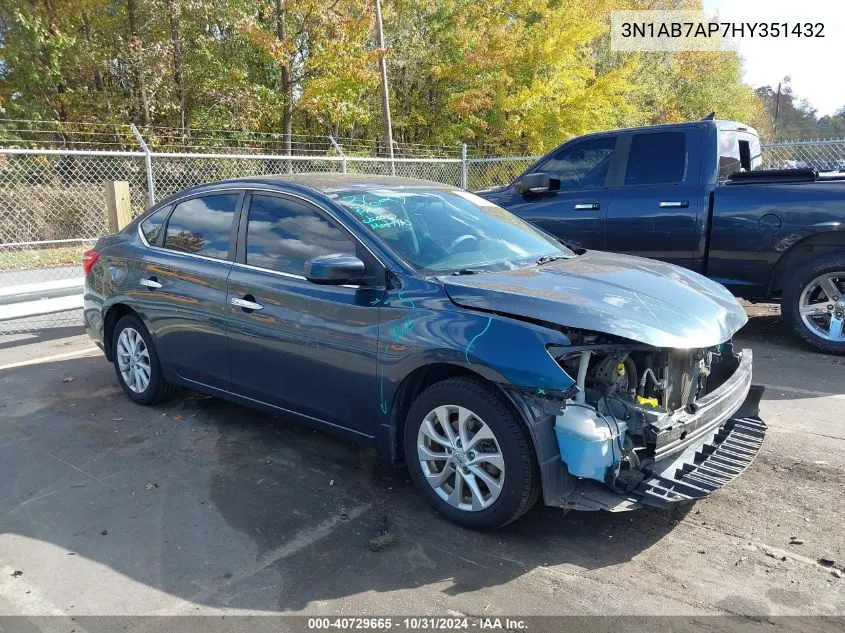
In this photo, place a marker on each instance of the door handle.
(151, 283)
(587, 206)
(246, 304)
(674, 204)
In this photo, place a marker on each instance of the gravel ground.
(202, 507)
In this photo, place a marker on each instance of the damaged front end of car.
(644, 425)
(658, 405)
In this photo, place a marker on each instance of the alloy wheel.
(461, 458)
(133, 360)
(822, 306)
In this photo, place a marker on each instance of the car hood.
(639, 299)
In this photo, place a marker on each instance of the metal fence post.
(463, 165)
(339, 151)
(151, 187)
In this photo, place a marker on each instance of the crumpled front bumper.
(712, 466)
(701, 453)
(720, 441)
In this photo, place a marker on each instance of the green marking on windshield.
(372, 214)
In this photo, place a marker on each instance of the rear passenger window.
(201, 226)
(657, 159)
(283, 234)
(152, 225)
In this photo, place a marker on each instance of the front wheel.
(813, 303)
(469, 456)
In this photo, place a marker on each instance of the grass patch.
(27, 258)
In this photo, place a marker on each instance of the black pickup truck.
(694, 194)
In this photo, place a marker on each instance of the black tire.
(158, 389)
(791, 297)
(521, 486)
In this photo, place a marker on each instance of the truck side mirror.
(537, 182)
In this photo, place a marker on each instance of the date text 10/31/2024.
(423, 623)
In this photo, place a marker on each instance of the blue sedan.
(441, 330)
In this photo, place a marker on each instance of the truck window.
(655, 159)
(730, 159)
(583, 165)
(745, 155)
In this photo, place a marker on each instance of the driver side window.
(581, 166)
(283, 233)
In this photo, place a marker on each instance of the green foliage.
(832, 126)
(504, 75)
(34, 49)
(788, 117)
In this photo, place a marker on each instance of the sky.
(813, 64)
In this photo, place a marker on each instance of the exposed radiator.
(680, 379)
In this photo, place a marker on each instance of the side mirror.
(538, 182)
(335, 270)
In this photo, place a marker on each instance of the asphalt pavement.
(198, 506)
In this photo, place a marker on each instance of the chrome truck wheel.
(813, 302)
(822, 306)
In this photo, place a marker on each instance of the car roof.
(329, 182)
(319, 182)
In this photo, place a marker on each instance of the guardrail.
(40, 298)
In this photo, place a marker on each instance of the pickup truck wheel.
(469, 456)
(813, 303)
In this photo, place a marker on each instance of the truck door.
(575, 207)
(656, 208)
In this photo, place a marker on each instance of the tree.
(174, 9)
(508, 76)
(286, 62)
(137, 49)
(833, 126)
(796, 119)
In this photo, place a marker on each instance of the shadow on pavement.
(223, 506)
(791, 369)
(19, 339)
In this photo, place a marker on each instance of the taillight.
(89, 258)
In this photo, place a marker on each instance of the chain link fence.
(818, 155)
(173, 173)
(445, 170)
(53, 209)
(484, 173)
(53, 195)
(53, 200)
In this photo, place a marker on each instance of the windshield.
(442, 231)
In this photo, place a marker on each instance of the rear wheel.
(813, 303)
(469, 456)
(136, 363)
